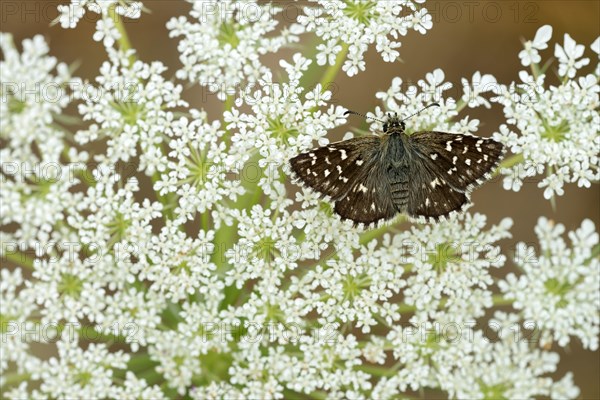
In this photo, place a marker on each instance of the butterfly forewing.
(332, 170)
(461, 160)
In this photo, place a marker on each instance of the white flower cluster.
(35, 91)
(554, 128)
(172, 257)
(221, 47)
(108, 10)
(558, 288)
(285, 118)
(356, 25)
(72, 13)
(413, 98)
(468, 364)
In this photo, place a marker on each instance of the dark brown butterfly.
(427, 175)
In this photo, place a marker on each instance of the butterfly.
(427, 175)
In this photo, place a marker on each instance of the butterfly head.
(393, 124)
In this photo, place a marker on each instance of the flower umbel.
(554, 129)
(349, 28)
(562, 284)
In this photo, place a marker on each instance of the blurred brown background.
(467, 36)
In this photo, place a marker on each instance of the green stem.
(379, 371)
(140, 362)
(550, 172)
(124, 43)
(20, 259)
(318, 395)
(509, 162)
(368, 236)
(332, 70)
(595, 254)
(205, 220)
(499, 300)
(535, 70)
(406, 309)
(14, 379)
(460, 105)
(229, 102)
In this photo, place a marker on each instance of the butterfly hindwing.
(369, 200)
(332, 170)
(430, 195)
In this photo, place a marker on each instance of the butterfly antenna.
(362, 115)
(421, 110)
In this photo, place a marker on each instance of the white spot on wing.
(478, 145)
(344, 155)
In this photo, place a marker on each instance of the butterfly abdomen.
(397, 171)
(398, 179)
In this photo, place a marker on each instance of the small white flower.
(568, 57)
(478, 85)
(554, 183)
(327, 52)
(582, 174)
(530, 54)
(421, 21)
(107, 32)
